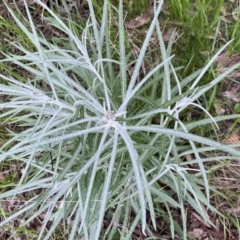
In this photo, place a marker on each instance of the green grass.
(100, 143)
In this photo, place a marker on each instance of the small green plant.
(99, 144)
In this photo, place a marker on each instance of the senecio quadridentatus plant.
(86, 132)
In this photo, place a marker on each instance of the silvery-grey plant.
(89, 144)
